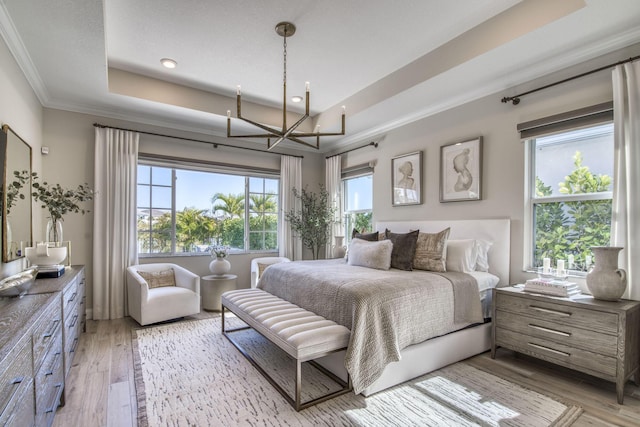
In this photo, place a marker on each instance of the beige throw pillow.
(159, 279)
(431, 251)
(261, 268)
(370, 254)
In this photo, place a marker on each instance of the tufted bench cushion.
(300, 333)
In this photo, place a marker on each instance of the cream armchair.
(155, 304)
(259, 264)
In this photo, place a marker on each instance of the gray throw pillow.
(370, 237)
(404, 249)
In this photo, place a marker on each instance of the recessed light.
(168, 63)
(296, 98)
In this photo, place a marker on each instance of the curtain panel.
(114, 225)
(333, 181)
(289, 245)
(625, 228)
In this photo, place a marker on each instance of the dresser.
(38, 336)
(600, 338)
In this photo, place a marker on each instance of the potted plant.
(59, 201)
(313, 221)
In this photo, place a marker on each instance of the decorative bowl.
(56, 256)
(18, 284)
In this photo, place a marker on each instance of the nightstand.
(212, 287)
(600, 338)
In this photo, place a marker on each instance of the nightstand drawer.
(556, 312)
(585, 339)
(582, 360)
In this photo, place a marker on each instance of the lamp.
(284, 29)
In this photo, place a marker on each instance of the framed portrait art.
(406, 179)
(461, 171)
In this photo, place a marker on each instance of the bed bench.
(303, 335)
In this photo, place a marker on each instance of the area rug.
(189, 374)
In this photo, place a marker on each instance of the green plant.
(14, 190)
(311, 223)
(572, 227)
(59, 201)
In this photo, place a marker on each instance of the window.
(358, 204)
(188, 210)
(570, 194)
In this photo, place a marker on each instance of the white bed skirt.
(422, 358)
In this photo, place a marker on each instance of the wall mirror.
(15, 157)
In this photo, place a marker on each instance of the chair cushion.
(261, 268)
(159, 279)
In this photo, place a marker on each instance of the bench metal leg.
(296, 402)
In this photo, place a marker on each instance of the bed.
(394, 338)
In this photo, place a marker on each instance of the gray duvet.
(386, 311)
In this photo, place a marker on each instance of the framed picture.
(406, 179)
(461, 171)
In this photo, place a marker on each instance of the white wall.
(503, 156)
(70, 138)
(21, 110)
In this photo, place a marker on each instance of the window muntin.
(187, 211)
(358, 204)
(571, 195)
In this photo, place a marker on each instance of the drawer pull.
(73, 323)
(74, 346)
(549, 311)
(54, 404)
(54, 362)
(553, 331)
(72, 298)
(53, 328)
(541, 347)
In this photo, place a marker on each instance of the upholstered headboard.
(497, 231)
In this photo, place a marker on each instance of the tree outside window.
(574, 213)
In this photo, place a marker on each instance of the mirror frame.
(5, 140)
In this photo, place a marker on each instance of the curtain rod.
(215, 144)
(375, 145)
(516, 98)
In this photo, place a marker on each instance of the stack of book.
(50, 271)
(554, 287)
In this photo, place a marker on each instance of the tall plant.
(313, 220)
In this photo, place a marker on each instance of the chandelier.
(284, 29)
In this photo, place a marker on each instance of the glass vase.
(54, 232)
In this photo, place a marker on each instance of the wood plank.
(119, 410)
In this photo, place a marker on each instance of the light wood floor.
(101, 392)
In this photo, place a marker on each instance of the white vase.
(339, 250)
(54, 233)
(605, 280)
(219, 266)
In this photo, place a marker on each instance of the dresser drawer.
(16, 378)
(70, 296)
(562, 333)
(582, 360)
(50, 325)
(562, 314)
(22, 414)
(49, 383)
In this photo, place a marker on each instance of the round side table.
(212, 287)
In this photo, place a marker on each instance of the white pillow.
(482, 250)
(461, 255)
(370, 254)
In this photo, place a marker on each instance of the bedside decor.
(461, 171)
(406, 179)
(220, 265)
(339, 250)
(605, 280)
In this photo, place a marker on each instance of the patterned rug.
(189, 374)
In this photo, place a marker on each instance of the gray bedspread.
(386, 311)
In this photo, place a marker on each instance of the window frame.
(531, 201)
(346, 213)
(197, 166)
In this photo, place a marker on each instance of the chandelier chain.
(285, 58)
